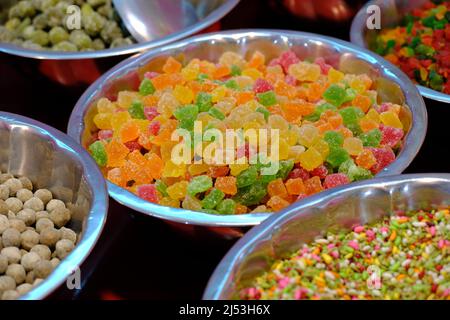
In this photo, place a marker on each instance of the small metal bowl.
(391, 13)
(340, 208)
(393, 86)
(54, 161)
(218, 11)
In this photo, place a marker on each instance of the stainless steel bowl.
(340, 208)
(212, 14)
(54, 161)
(393, 86)
(391, 12)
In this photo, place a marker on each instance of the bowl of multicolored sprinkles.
(388, 238)
(342, 113)
(413, 35)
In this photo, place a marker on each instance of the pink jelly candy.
(288, 58)
(320, 172)
(151, 74)
(391, 136)
(299, 173)
(261, 86)
(324, 67)
(105, 134)
(384, 157)
(151, 113)
(148, 192)
(291, 80)
(154, 127)
(335, 180)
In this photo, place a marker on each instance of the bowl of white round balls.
(53, 205)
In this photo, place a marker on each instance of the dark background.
(139, 257)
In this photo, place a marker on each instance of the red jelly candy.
(154, 127)
(148, 192)
(384, 156)
(151, 113)
(391, 136)
(320, 172)
(299, 173)
(261, 86)
(335, 180)
(105, 134)
(133, 145)
(288, 58)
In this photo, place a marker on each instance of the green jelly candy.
(346, 165)
(202, 77)
(98, 152)
(268, 178)
(351, 115)
(232, 84)
(335, 95)
(264, 111)
(189, 111)
(204, 101)
(227, 206)
(209, 211)
(216, 113)
(286, 167)
(334, 138)
(247, 177)
(356, 173)
(146, 87)
(213, 199)
(199, 184)
(337, 156)
(350, 94)
(136, 110)
(251, 195)
(161, 187)
(187, 124)
(267, 98)
(371, 138)
(235, 70)
(315, 116)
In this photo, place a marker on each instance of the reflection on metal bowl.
(340, 209)
(54, 161)
(392, 85)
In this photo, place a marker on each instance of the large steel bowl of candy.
(40, 30)
(339, 210)
(51, 160)
(392, 85)
(393, 14)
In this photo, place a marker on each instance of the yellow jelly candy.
(353, 146)
(304, 71)
(278, 122)
(191, 72)
(105, 106)
(311, 159)
(118, 119)
(295, 152)
(172, 170)
(335, 76)
(323, 148)
(236, 169)
(308, 135)
(183, 94)
(252, 73)
(284, 149)
(169, 202)
(178, 190)
(218, 94)
(126, 98)
(373, 115)
(167, 104)
(197, 169)
(391, 119)
(103, 121)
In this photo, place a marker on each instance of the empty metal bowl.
(391, 14)
(341, 208)
(54, 161)
(392, 84)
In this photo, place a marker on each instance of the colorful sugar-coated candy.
(331, 132)
(402, 256)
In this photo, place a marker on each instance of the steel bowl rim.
(96, 218)
(414, 138)
(218, 279)
(209, 20)
(356, 37)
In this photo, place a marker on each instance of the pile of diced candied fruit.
(332, 131)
